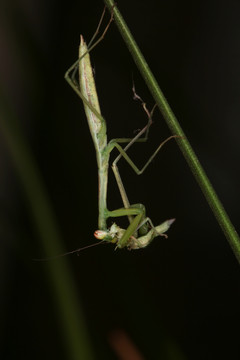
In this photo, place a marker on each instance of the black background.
(178, 298)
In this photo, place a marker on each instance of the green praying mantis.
(140, 231)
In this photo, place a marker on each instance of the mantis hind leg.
(139, 224)
(144, 131)
(123, 151)
(115, 144)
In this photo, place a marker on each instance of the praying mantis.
(138, 234)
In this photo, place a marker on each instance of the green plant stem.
(58, 272)
(176, 129)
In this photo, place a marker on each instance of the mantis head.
(113, 234)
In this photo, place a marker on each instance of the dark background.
(178, 298)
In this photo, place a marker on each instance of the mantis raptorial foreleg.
(86, 90)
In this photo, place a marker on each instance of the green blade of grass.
(59, 274)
